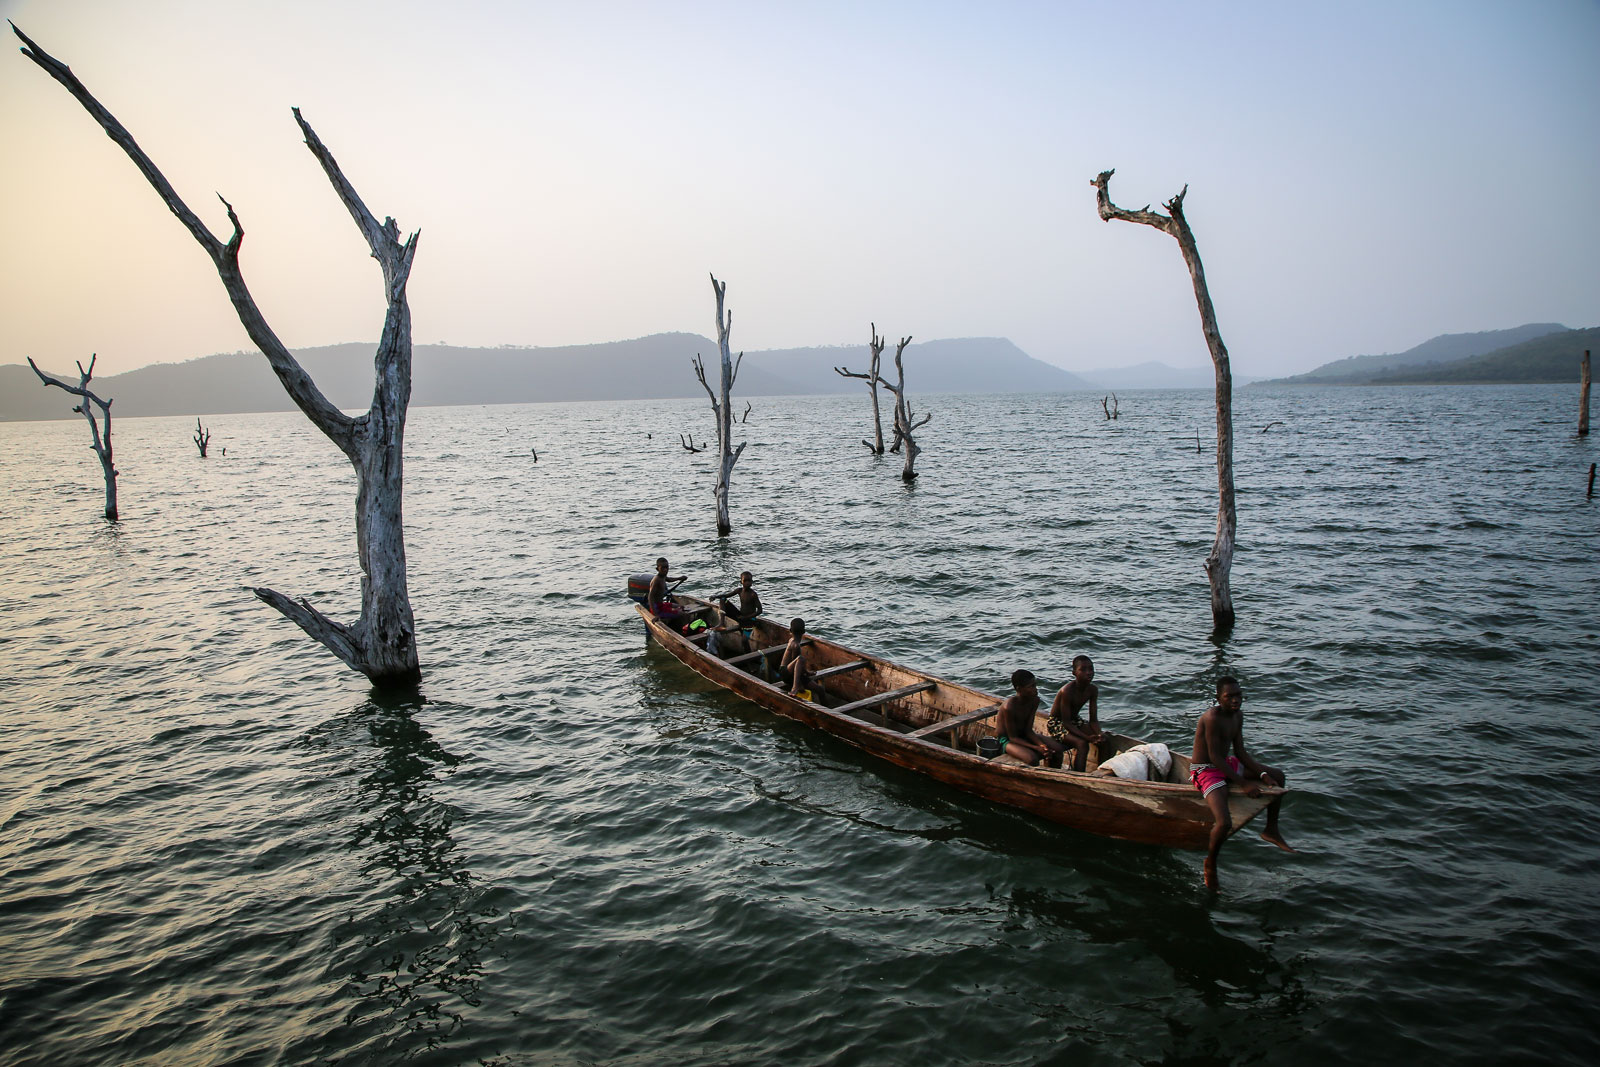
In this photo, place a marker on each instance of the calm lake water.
(218, 846)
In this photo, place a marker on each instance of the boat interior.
(885, 694)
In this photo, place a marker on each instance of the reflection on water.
(414, 954)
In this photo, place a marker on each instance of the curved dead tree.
(202, 438)
(689, 445)
(905, 422)
(102, 437)
(1220, 561)
(721, 410)
(381, 643)
(871, 378)
(1111, 406)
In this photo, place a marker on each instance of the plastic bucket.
(988, 747)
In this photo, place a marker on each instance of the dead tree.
(1220, 562)
(202, 437)
(1113, 409)
(871, 378)
(728, 455)
(1583, 396)
(101, 437)
(382, 642)
(746, 416)
(905, 424)
(689, 444)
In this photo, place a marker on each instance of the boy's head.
(1022, 679)
(661, 565)
(745, 577)
(1229, 695)
(797, 627)
(1082, 668)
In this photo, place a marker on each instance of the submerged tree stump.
(382, 642)
(721, 409)
(1583, 396)
(905, 424)
(875, 348)
(1220, 562)
(101, 443)
(202, 437)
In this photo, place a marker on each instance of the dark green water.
(216, 847)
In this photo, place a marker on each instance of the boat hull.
(1170, 814)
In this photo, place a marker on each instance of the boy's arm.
(1257, 770)
(1094, 711)
(1058, 706)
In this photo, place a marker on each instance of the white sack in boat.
(1141, 763)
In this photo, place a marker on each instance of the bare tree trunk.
(202, 437)
(871, 377)
(721, 409)
(101, 439)
(905, 425)
(1583, 396)
(1220, 561)
(382, 642)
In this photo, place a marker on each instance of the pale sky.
(1362, 176)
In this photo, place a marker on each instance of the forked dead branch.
(905, 422)
(101, 435)
(1220, 561)
(870, 376)
(721, 409)
(382, 642)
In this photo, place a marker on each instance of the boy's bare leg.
(1026, 753)
(1217, 801)
(1271, 833)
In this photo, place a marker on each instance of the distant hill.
(1158, 376)
(1552, 358)
(657, 366)
(1361, 370)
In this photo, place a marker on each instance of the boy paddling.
(1213, 770)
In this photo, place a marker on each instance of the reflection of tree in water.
(418, 963)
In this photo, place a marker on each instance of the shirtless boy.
(1214, 770)
(1064, 724)
(1018, 739)
(660, 599)
(793, 664)
(749, 601)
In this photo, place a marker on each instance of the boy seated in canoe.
(793, 665)
(749, 602)
(1213, 770)
(663, 605)
(1064, 724)
(1017, 737)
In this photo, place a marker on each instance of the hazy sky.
(1361, 176)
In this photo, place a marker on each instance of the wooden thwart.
(884, 698)
(959, 720)
(761, 652)
(829, 672)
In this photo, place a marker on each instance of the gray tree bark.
(381, 643)
(721, 409)
(871, 378)
(1220, 561)
(101, 438)
(905, 423)
(1583, 396)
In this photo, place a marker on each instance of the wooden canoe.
(933, 727)
(928, 725)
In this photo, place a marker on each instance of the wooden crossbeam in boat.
(959, 720)
(829, 672)
(761, 652)
(884, 698)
